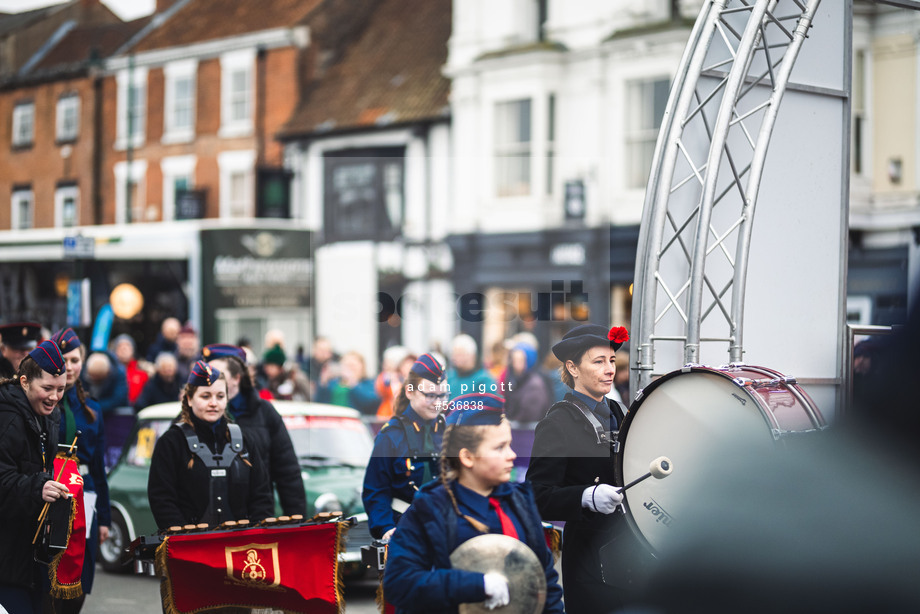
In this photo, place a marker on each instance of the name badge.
(218, 473)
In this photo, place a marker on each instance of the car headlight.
(328, 502)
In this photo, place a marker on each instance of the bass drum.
(692, 414)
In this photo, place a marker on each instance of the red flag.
(294, 569)
(67, 566)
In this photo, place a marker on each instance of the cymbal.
(511, 558)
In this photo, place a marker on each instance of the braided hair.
(456, 438)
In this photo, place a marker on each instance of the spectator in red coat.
(137, 372)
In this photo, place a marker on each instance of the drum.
(692, 414)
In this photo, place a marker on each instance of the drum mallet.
(659, 468)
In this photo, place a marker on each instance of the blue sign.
(102, 329)
(74, 303)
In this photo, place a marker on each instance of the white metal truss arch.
(705, 177)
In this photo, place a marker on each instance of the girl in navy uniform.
(474, 496)
(79, 413)
(28, 442)
(180, 487)
(407, 448)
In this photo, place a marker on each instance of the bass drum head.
(688, 416)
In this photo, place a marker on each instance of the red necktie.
(507, 526)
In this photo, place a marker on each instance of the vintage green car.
(333, 446)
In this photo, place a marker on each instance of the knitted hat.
(274, 356)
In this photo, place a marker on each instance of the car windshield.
(141, 450)
(330, 440)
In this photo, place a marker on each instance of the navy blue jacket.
(397, 467)
(90, 452)
(418, 576)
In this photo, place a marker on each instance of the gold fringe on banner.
(341, 531)
(378, 597)
(59, 590)
(162, 570)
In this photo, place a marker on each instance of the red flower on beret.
(618, 334)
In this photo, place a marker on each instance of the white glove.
(602, 498)
(386, 536)
(496, 591)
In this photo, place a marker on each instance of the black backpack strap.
(602, 435)
(195, 446)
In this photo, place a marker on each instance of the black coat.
(22, 476)
(567, 459)
(271, 441)
(158, 390)
(180, 495)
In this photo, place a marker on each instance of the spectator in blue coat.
(474, 496)
(79, 413)
(407, 448)
(105, 381)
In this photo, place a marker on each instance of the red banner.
(294, 569)
(67, 567)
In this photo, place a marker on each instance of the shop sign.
(257, 268)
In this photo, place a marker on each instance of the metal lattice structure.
(705, 177)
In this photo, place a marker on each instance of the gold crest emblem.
(255, 565)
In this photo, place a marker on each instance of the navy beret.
(223, 350)
(202, 374)
(476, 409)
(48, 357)
(66, 340)
(428, 367)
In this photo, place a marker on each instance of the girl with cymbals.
(473, 497)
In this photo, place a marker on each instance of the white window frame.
(230, 63)
(23, 121)
(138, 176)
(60, 195)
(230, 162)
(67, 103)
(174, 72)
(15, 219)
(637, 135)
(513, 148)
(136, 76)
(173, 168)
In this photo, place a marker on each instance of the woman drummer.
(79, 413)
(181, 487)
(473, 497)
(28, 441)
(407, 448)
(572, 468)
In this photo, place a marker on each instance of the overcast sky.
(126, 9)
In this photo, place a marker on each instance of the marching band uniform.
(266, 433)
(566, 461)
(28, 443)
(418, 575)
(180, 487)
(405, 456)
(90, 454)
